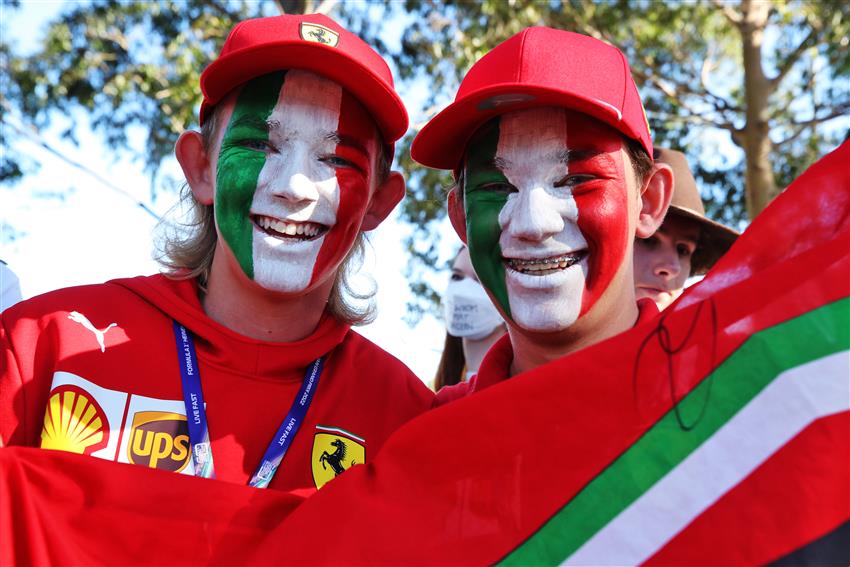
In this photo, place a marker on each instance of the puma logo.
(98, 333)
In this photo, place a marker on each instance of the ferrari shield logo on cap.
(335, 451)
(318, 34)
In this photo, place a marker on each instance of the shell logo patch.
(318, 34)
(159, 440)
(335, 451)
(74, 422)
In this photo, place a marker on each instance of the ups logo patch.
(159, 440)
(335, 451)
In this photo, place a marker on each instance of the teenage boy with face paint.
(551, 152)
(249, 333)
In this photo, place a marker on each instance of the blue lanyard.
(196, 415)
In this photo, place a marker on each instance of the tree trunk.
(760, 183)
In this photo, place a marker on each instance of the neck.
(474, 351)
(245, 308)
(532, 349)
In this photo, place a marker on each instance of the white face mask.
(469, 312)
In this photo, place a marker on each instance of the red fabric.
(513, 454)
(538, 66)
(496, 365)
(259, 46)
(248, 385)
(57, 508)
(790, 514)
(466, 483)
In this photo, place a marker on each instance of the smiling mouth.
(545, 266)
(289, 230)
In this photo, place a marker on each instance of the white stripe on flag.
(796, 398)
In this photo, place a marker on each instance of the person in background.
(473, 324)
(10, 287)
(687, 243)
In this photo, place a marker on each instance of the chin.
(544, 319)
(283, 282)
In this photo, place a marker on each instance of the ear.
(456, 213)
(195, 163)
(654, 200)
(384, 200)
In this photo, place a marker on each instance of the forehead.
(680, 228)
(305, 103)
(537, 130)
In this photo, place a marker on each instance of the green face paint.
(485, 192)
(239, 165)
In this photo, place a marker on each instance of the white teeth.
(307, 230)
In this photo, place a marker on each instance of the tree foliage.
(770, 80)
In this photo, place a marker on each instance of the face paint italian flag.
(482, 208)
(293, 179)
(524, 199)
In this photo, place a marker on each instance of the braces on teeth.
(545, 264)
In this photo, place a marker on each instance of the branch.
(794, 56)
(734, 18)
(221, 10)
(326, 6)
(35, 136)
(801, 127)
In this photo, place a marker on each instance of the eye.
(257, 144)
(457, 277)
(337, 161)
(572, 180)
(685, 250)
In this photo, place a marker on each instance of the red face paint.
(602, 201)
(358, 146)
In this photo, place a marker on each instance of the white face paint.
(539, 222)
(297, 193)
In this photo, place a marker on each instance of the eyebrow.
(253, 122)
(563, 156)
(347, 140)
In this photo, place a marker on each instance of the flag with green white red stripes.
(719, 433)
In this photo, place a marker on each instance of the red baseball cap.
(311, 42)
(537, 67)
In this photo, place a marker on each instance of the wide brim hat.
(311, 42)
(539, 66)
(715, 238)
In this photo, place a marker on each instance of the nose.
(534, 215)
(294, 183)
(667, 265)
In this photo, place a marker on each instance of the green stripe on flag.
(735, 383)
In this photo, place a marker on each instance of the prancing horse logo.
(98, 333)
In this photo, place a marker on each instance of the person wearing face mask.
(687, 243)
(238, 361)
(472, 324)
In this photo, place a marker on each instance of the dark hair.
(452, 365)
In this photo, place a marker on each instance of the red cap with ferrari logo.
(311, 42)
(537, 67)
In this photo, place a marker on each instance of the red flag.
(717, 433)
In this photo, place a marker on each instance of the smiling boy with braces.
(551, 152)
